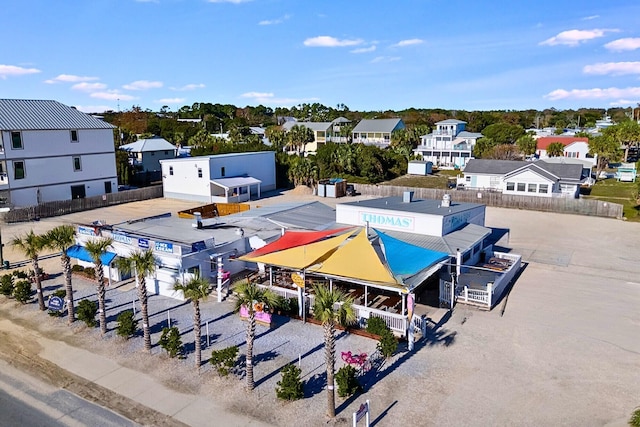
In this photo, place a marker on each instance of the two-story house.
(50, 151)
(574, 147)
(376, 131)
(449, 145)
(145, 154)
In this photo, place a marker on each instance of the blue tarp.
(405, 259)
(79, 252)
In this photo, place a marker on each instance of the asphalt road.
(28, 402)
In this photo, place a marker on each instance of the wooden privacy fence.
(63, 207)
(496, 199)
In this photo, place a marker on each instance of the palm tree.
(555, 149)
(31, 244)
(331, 307)
(251, 295)
(96, 248)
(59, 239)
(195, 289)
(143, 263)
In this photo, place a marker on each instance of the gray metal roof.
(31, 114)
(147, 145)
(341, 120)
(216, 156)
(426, 206)
(492, 167)
(466, 134)
(463, 239)
(535, 169)
(309, 215)
(378, 125)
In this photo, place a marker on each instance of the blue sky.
(369, 55)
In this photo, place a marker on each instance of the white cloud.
(94, 108)
(70, 78)
(89, 87)
(364, 49)
(112, 95)
(269, 98)
(620, 45)
(379, 59)
(595, 93)
(170, 100)
(589, 18)
(14, 70)
(328, 41)
(274, 21)
(191, 86)
(624, 103)
(409, 42)
(575, 37)
(142, 85)
(613, 68)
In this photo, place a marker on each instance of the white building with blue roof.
(50, 152)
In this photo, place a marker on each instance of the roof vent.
(197, 220)
(407, 197)
(446, 201)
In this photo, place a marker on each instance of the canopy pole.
(270, 275)
(330, 285)
(366, 304)
(404, 303)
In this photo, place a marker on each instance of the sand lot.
(562, 349)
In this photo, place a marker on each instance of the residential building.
(145, 154)
(50, 152)
(449, 145)
(538, 179)
(321, 135)
(223, 178)
(376, 131)
(574, 147)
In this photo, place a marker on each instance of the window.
(222, 171)
(74, 136)
(467, 178)
(511, 186)
(166, 152)
(199, 172)
(77, 166)
(531, 188)
(194, 270)
(16, 140)
(153, 153)
(543, 188)
(521, 186)
(170, 170)
(18, 169)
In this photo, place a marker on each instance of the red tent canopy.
(291, 239)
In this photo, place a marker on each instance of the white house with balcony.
(376, 131)
(222, 178)
(50, 151)
(145, 154)
(321, 134)
(449, 145)
(536, 179)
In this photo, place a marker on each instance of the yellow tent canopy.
(356, 259)
(301, 257)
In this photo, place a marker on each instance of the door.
(78, 192)
(107, 187)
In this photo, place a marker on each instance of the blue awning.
(406, 259)
(79, 252)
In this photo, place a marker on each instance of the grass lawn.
(437, 180)
(624, 193)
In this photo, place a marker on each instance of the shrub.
(388, 344)
(77, 268)
(291, 386)
(20, 274)
(170, 341)
(635, 418)
(347, 382)
(90, 271)
(22, 291)
(223, 360)
(293, 306)
(127, 325)
(6, 284)
(376, 326)
(87, 312)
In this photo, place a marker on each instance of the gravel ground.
(561, 349)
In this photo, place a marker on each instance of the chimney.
(446, 201)
(407, 197)
(197, 220)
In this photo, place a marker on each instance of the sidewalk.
(184, 408)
